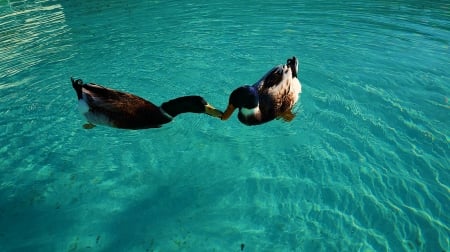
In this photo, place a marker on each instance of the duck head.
(245, 97)
(190, 104)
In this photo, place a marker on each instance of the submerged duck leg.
(88, 126)
(287, 116)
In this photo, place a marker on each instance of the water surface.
(363, 167)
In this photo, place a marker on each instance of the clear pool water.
(363, 167)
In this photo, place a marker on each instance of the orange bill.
(230, 109)
(210, 110)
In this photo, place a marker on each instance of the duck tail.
(77, 84)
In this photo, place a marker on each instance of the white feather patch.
(83, 108)
(165, 113)
(248, 112)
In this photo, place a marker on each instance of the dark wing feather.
(274, 95)
(114, 100)
(272, 78)
(123, 110)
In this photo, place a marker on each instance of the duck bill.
(210, 110)
(230, 109)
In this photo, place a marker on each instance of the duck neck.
(178, 106)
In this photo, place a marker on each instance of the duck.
(271, 97)
(105, 106)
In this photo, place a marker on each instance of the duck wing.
(113, 100)
(275, 94)
(124, 110)
(270, 79)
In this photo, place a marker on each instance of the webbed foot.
(287, 116)
(88, 126)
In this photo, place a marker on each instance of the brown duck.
(104, 106)
(272, 97)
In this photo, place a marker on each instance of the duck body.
(104, 106)
(271, 97)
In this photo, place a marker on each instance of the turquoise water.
(363, 167)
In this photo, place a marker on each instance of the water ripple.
(33, 32)
(363, 167)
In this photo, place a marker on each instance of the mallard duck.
(273, 96)
(101, 105)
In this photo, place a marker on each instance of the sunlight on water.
(362, 167)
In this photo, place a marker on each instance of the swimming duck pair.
(272, 97)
